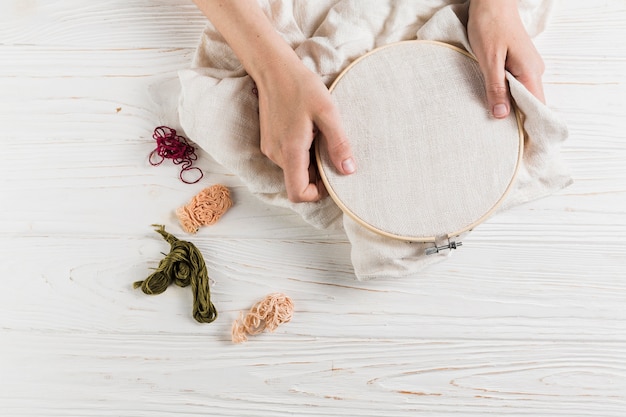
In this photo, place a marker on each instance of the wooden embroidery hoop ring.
(329, 179)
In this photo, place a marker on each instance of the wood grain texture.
(527, 319)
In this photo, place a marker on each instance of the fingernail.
(348, 166)
(500, 110)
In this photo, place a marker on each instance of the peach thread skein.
(266, 315)
(205, 208)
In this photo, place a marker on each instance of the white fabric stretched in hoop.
(432, 161)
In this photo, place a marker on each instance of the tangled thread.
(266, 315)
(205, 208)
(174, 147)
(183, 266)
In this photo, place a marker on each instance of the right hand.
(294, 104)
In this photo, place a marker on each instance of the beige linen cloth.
(218, 109)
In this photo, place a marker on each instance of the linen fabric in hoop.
(431, 161)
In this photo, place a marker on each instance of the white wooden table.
(529, 318)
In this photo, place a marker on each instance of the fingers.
(301, 177)
(298, 179)
(535, 86)
(337, 144)
(530, 77)
(496, 86)
(299, 173)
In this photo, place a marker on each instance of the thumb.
(497, 89)
(337, 143)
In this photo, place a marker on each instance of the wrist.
(271, 60)
(493, 6)
(247, 30)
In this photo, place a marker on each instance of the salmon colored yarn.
(205, 208)
(266, 315)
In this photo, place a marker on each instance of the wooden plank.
(59, 61)
(127, 24)
(539, 291)
(93, 374)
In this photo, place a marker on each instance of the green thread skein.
(183, 266)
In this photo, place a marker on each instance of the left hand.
(500, 42)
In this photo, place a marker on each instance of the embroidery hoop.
(460, 182)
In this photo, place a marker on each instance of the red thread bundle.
(174, 147)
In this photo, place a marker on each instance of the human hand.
(500, 42)
(294, 104)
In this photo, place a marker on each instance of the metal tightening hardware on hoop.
(436, 249)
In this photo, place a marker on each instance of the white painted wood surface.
(529, 318)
